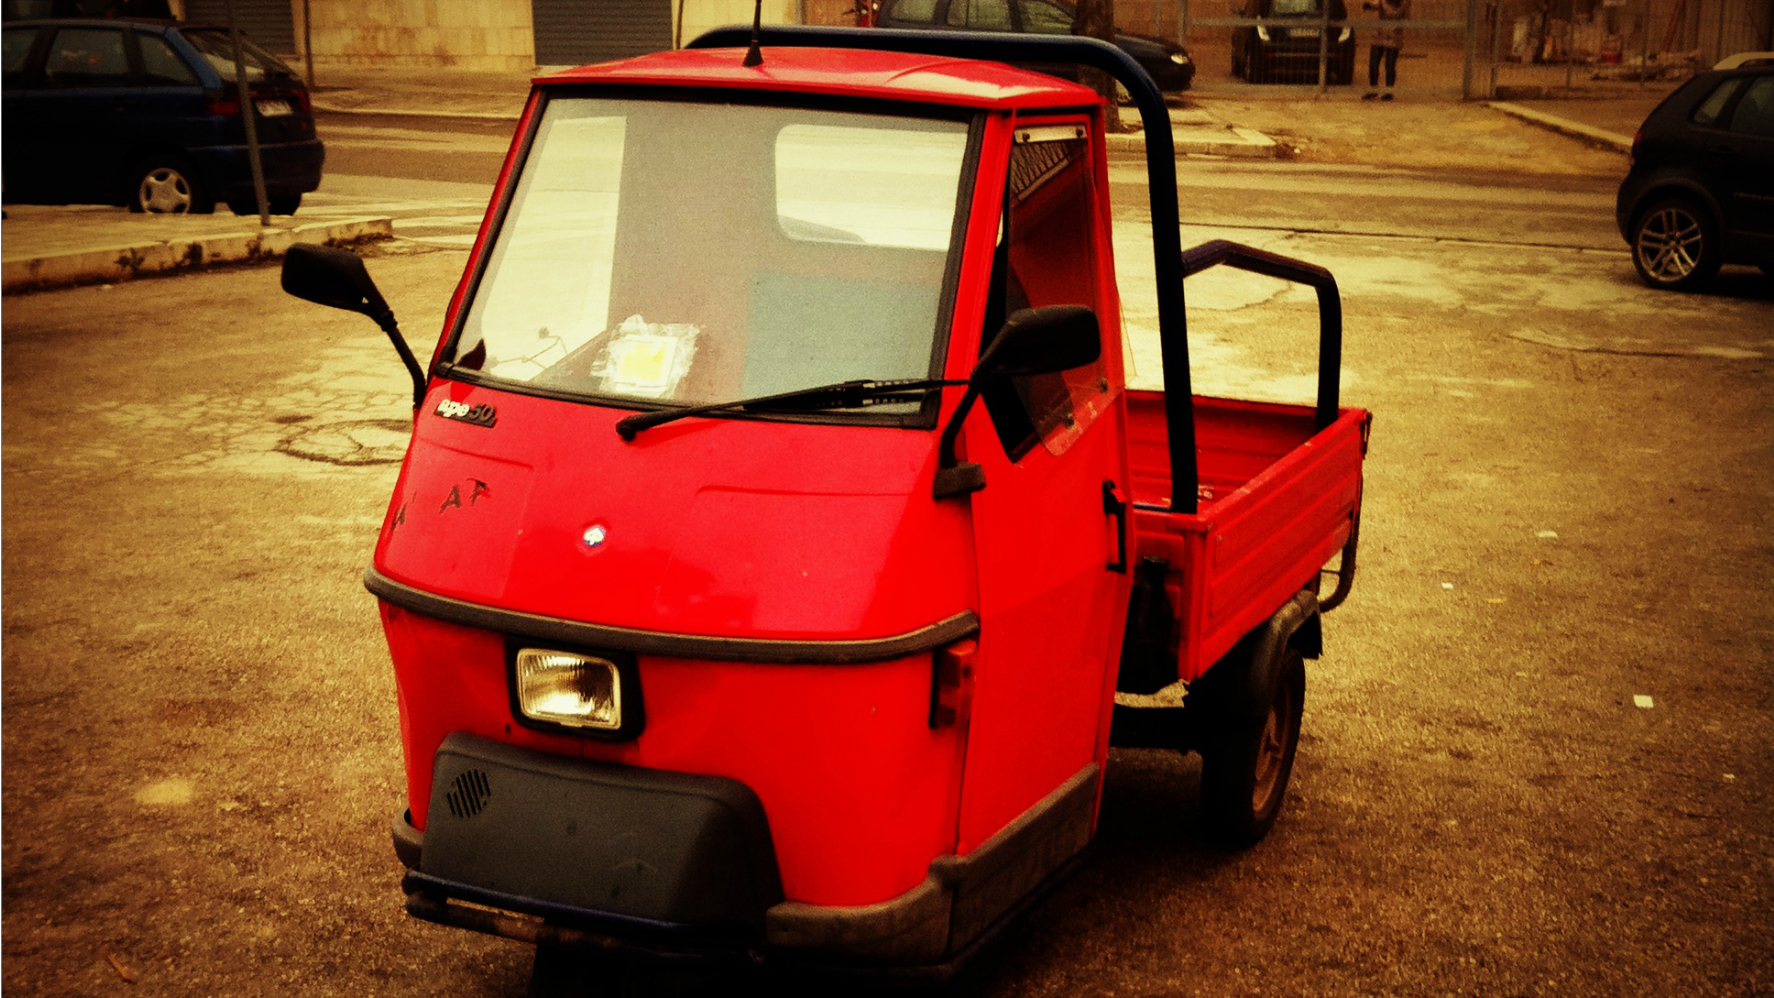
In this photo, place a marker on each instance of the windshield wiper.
(842, 395)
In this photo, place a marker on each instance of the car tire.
(1246, 762)
(279, 204)
(168, 185)
(1675, 244)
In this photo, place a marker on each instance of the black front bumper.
(596, 843)
(681, 867)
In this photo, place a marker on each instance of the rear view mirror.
(332, 277)
(337, 278)
(1044, 340)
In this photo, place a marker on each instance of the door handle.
(1115, 505)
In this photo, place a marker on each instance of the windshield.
(689, 253)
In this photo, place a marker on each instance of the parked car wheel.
(1675, 244)
(168, 185)
(1245, 763)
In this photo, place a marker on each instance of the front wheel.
(1675, 244)
(1246, 762)
(168, 185)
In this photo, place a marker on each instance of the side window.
(980, 15)
(87, 57)
(18, 48)
(161, 66)
(1708, 111)
(1044, 18)
(1049, 259)
(1755, 111)
(918, 11)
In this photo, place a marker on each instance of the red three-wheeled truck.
(779, 551)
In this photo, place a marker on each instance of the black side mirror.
(1044, 340)
(337, 278)
(332, 277)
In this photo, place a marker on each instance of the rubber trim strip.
(641, 642)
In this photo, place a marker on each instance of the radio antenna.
(755, 55)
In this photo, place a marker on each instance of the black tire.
(167, 184)
(280, 204)
(1245, 763)
(1675, 244)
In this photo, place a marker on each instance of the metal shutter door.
(269, 22)
(576, 32)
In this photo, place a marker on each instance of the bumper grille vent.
(468, 793)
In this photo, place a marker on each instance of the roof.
(842, 72)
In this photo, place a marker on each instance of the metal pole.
(307, 46)
(1644, 45)
(247, 112)
(1496, 46)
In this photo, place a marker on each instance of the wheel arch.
(1243, 681)
(1673, 186)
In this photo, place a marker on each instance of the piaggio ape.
(777, 531)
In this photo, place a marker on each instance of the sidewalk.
(47, 247)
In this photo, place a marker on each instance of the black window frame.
(925, 418)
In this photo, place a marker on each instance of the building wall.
(391, 33)
(493, 36)
(701, 15)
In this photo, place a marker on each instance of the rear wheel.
(284, 204)
(1675, 244)
(1246, 762)
(168, 185)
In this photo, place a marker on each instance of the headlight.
(1263, 32)
(576, 691)
(1180, 58)
(1343, 35)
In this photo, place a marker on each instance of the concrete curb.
(1226, 140)
(321, 107)
(1588, 133)
(121, 262)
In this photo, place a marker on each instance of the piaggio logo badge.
(479, 415)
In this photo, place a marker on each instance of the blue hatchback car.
(148, 115)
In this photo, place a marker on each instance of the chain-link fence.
(1550, 46)
(1461, 48)
(1467, 48)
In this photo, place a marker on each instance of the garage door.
(576, 32)
(268, 22)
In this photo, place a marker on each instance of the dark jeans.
(1374, 53)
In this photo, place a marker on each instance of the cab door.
(1050, 540)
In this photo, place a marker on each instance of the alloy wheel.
(165, 190)
(1670, 243)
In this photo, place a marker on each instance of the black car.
(1283, 46)
(1165, 61)
(1701, 189)
(148, 115)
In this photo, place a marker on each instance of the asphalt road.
(1536, 754)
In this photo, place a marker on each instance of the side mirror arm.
(392, 328)
(952, 477)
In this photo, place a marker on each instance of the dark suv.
(1283, 46)
(1165, 61)
(148, 115)
(1701, 189)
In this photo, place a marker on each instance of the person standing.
(1386, 43)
